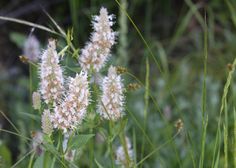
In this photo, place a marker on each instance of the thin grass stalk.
(234, 139)
(29, 24)
(204, 92)
(61, 147)
(203, 140)
(54, 156)
(22, 158)
(31, 160)
(123, 41)
(134, 148)
(146, 103)
(169, 125)
(232, 11)
(124, 145)
(224, 97)
(191, 150)
(155, 60)
(140, 127)
(91, 149)
(13, 133)
(226, 135)
(157, 149)
(10, 122)
(147, 74)
(111, 126)
(74, 6)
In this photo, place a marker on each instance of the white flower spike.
(96, 52)
(51, 76)
(72, 110)
(112, 100)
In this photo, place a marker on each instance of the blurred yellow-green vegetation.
(179, 55)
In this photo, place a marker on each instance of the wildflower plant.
(72, 104)
(79, 98)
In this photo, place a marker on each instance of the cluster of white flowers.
(112, 100)
(70, 101)
(121, 157)
(51, 84)
(72, 109)
(32, 48)
(96, 52)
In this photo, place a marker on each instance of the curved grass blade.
(29, 24)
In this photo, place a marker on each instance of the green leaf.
(63, 51)
(5, 156)
(52, 149)
(44, 160)
(30, 116)
(39, 161)
(98, 164)
(18, 38)
(79, 141)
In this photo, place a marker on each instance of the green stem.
(204, 120)
(146, 101)
(58, 148)
(124, 145)
(110, 143)
(91, 150)
(31, 160)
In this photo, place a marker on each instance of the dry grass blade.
(29, 24)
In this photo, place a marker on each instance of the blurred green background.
(174, 30)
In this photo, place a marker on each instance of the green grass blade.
(204, 115)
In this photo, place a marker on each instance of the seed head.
(134, 86)
(179, 125)
(23, 59)
(121, 70)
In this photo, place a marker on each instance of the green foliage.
(79, 141)
(183, 75)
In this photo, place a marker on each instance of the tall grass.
(149, 147)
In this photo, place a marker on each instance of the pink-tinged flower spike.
(96, 52)
(51, 84)
(73, 108)
(112, 100)
(32, 48)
